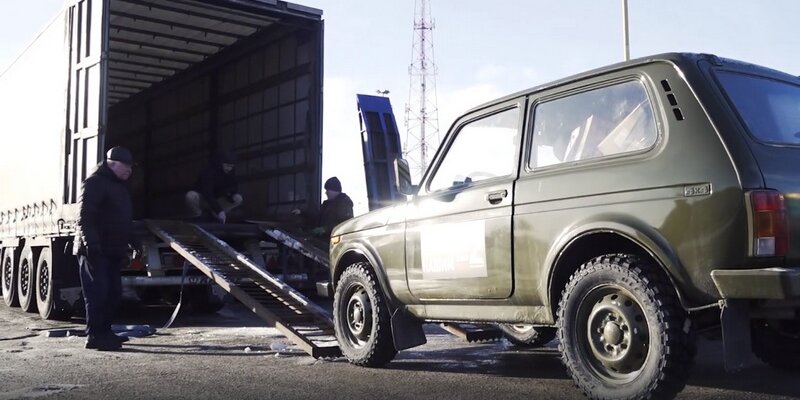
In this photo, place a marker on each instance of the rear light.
(769, 224)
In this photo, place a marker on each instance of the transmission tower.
(422, 113)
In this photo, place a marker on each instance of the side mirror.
(402, 174)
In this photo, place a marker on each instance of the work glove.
(134, 250)
(318, 231)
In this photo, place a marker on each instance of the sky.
(484, 50)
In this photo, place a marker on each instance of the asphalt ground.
(233, 355)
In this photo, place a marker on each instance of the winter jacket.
(214, 183)
(106, 214)
(333, 212)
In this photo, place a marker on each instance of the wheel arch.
(358, 252)
(592, 241)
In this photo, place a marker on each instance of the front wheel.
(622, 331)
(361, 318)
(528, 335)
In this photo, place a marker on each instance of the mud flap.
(407, 330)
(736, 342)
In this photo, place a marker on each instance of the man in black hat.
(215, 189)
(333, 211)
(105, 231)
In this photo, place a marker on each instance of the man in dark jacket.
(333, 211)
(216, 188)
(105, 230)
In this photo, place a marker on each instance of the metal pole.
(625, 35)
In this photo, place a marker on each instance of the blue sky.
(486, 49)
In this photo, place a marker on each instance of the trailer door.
(87, 92)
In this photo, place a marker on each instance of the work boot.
(121, 339)
(102, 343)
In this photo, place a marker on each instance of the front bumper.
(325, 289)
(765, 283)
(165, 280)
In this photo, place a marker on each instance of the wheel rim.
(358, 316)
(7, 278)
(44, 280)
(24, 278)
(614, 336)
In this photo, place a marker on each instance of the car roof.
(680, 59)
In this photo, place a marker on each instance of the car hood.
(373, 219)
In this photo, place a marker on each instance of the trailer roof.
(151, 40)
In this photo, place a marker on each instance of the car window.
(769, 108)
(597, 123)
(482, 149)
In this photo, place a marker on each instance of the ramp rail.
(306, 324)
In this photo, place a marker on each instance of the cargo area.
(187, 79)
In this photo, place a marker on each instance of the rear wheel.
(9, 277)
(26, 281)
(48, 286)
(777, 343)
(361, 318)
(528, 335)
(622, 331)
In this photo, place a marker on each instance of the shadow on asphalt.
(449, 354)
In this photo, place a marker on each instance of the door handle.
(497, 196)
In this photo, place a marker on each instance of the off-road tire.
(47, 287)
(26, 280)
(528, 335)
(777, 343)
(361, 318)
(8, 278)
(649, 343)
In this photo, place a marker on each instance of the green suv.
(624, 211)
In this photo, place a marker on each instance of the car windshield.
(770, 108)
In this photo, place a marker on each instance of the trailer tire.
(361, 318)
(622, 331)
(526, 335)
(202, 300)
(48, 285)
(9, 277)
(26, 279)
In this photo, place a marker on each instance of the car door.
(458, 238)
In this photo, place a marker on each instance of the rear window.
(769, 108)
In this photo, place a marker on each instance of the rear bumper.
(766, 283)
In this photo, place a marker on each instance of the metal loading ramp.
(306, 324)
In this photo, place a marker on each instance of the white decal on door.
(454, 251)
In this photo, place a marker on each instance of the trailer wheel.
(202, 300)
(9, 277)
(361, 318)
(623, 332)
(49, 303)
(26, 280)
(777, 343)
(528, 335)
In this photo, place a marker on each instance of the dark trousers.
(102, 290)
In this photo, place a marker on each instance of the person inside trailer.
(216, 189)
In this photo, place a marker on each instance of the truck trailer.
(175, 81)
